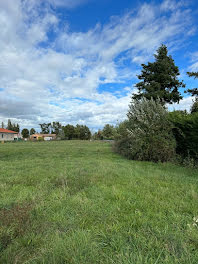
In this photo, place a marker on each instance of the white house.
(8, 135)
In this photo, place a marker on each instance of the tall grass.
(78, 202)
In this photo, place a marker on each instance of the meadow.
(78, 202)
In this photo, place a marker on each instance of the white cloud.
(60, 79)
(184, 104)
(171, 5)
(66, 3)
(194, 60)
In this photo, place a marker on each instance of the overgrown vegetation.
(78, 202)
(185, 129)
(76, 132)
(108, 133)
(148, 132)
(151, 133)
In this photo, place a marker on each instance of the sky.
(76, 61)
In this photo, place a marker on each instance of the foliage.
(185, 130)
(13, 126)
(83, 132)
(32, 131)
(61, 134)
(193, 91)
(98, 135)
(70, 132)
(77, 202)
(25, 133)
(56, 128)
(79, 132)
(159, 79)
(108, 132)
(45, 128)
(149, 132)
(194, 108)
(66, 132)
(122, 144)
(51, 128)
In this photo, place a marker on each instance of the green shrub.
(185, 130)
(148, 133)
(122, 141)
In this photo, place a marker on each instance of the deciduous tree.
(25, 133)
(32, 131)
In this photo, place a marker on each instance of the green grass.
(78, 202)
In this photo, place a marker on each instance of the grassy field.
(78, 202)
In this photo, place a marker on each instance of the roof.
(3, 130)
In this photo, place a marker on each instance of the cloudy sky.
(76, 61)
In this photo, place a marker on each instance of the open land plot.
(78, 202)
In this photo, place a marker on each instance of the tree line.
(62, 132)
(11, 126)
(66, 132)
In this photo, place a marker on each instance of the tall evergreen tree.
(16, 128)
(9, 126)
(13, 126)
(159, 79)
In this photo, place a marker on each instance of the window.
(2, 135)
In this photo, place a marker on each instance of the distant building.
(8, 135)
(45, 137)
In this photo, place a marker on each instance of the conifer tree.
(193, 91)
(159, 79)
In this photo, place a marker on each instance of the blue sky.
(76, 61)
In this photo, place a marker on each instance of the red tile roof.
(3, 130)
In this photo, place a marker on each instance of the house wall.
(44, 136)
(7, 137)
(48, 138)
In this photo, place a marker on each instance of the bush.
(122, 141)
(148, 133)
(185, 130)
